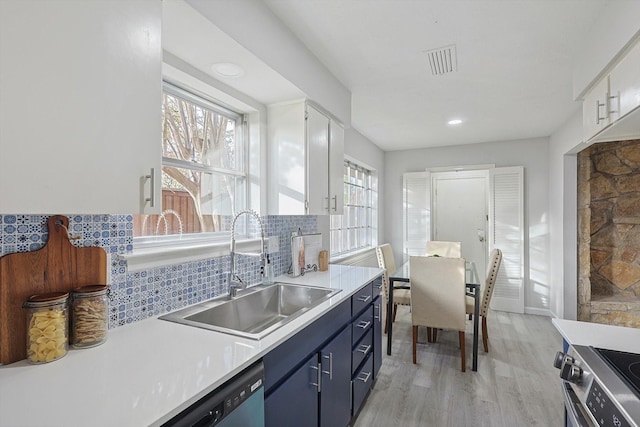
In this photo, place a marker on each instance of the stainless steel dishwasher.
(237, 403)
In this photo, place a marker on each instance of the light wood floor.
(515, 385)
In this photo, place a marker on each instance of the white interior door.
(460, 212)
(507, 234)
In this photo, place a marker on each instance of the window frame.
(370, 207)
(203, 240)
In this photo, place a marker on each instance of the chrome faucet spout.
(233, 279)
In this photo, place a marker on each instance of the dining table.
(403, 274)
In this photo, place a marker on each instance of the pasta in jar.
(47, 327)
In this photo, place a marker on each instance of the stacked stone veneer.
(609, 233)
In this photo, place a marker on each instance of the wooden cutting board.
(58, 266)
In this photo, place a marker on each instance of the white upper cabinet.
(610, 109)
(305, 161)
(624, 82)
(80, 106)
(595, 115)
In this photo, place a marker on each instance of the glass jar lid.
(46, 299)
(90, 291)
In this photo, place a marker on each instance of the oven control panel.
(603, 409)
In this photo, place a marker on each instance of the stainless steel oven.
(600, 387)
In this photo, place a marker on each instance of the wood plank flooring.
(515, 385)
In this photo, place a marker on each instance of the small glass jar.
(89, 316)
(47, 327)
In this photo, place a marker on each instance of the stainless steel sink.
(257, 312)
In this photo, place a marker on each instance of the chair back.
(443, 249)
(490, 282)
(438, 292)
(386, 261)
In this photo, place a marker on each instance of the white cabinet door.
(624, 81)
(306, 156)
(595, 109)
(80, 110)
(317, 162)
(336, 168)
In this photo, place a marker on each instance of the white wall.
(614, 30)
(533, 154)
(252, 24)
(563, 218)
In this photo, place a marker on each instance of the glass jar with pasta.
(89, 316)
(47, 327)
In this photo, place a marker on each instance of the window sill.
(353, 258)
(151, 256)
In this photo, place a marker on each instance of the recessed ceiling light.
(227, 69)
(454, 122)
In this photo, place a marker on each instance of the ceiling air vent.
(443, 60)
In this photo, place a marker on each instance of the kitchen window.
(203, 170)
(353, 230)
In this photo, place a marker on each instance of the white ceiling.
(514, 64)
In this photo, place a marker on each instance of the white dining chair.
(387, 262)
(443, 249)
(438, 297)
(486, 293)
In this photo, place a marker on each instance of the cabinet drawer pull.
(318, 383)
(598, 106)
(364, 298)
(366, 376)
(377, 316)
(335, 203)
(330, 371)
(364, 350)
(363, 324)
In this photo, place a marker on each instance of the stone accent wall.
(609, 233)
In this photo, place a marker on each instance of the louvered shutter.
(507, 234)
(416, 213)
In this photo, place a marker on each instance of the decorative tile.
(142, 294)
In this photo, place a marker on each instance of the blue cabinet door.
(377, 336)
(335, 361)
(295, 402)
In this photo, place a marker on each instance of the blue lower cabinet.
(295, 402)
(377, 336)
(339, 351)
(335, 390)
(362, 383)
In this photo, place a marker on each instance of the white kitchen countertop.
(599, 335)
(149, 371)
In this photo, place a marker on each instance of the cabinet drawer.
(361, 299)
(362, 382)
(362, 350)
(376, 287)
(361, 325)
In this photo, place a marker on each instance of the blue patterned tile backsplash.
(137, 295)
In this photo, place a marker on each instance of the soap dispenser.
(268, 273)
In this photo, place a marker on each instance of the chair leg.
(434, 334)
(395, 311)
(485, 338)
(429, 332)
(463, 356)
(415, 340)
(386, 323)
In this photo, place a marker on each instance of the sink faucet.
(233, 279)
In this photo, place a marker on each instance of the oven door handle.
(575, 410)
